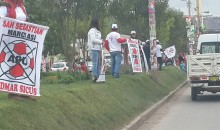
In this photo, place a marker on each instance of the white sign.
(21, 48)
(134, 54)
(170, 52)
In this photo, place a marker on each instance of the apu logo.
(17, 60)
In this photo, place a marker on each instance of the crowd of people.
(113, 43)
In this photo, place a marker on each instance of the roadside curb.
(138, 121)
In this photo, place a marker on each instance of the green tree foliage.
(130, 15)
(178, 30)
(39, 12)
(69, 20)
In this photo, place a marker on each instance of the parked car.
(60, 66)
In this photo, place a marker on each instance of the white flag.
(134, 54)
(170, 52)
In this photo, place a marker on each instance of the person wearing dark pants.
(146, 49)
(159, 55)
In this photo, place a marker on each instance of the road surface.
(180, 113)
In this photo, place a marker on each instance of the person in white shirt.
(13, 9)
(94, 46)
(159, 55)
(113, 44)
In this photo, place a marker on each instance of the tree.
(69, 20)
(178, 33)
(42, 16)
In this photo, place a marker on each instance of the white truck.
(203, 69)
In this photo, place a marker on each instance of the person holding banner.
(21, 48)
(133, 35)
(94, 45)
(113, 45)
(13, 9)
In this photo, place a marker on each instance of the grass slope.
(89, 106)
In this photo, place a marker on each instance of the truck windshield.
(209, 47)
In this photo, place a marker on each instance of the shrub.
(86, 75)
(51, 79)
(66, 78)
(47, 74)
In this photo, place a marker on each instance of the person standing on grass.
(14, 9)
(133, 35)
(159, 55)
(147, 53)
(113, 45)
(94, 45)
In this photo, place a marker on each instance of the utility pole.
(152, 25)
(189, 7)
(152, 19)
(190, 45)
(190, 28)
(198, 16)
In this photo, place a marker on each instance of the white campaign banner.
(170, 52)
(21, 48)
(134, 54)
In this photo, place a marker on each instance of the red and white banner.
(170, 52)
(21, 48)
(134, 54)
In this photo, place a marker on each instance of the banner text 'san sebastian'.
(23, 27)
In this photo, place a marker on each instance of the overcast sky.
(213, 6)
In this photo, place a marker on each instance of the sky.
(213, 6)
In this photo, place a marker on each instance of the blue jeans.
(95, 54)
(116, 58)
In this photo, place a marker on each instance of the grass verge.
(89, 106)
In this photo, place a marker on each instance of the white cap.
(114, 26)
(133, 32)
(147, 41)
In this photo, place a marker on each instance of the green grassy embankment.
(89, 106)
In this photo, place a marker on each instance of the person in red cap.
(13, 9)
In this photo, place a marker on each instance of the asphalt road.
(180, 113)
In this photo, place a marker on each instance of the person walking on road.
(94, 45)
(113, 44)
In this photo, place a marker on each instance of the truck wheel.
(194, 93)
